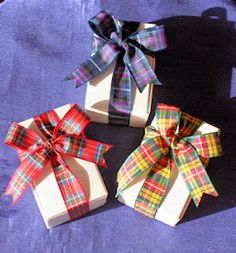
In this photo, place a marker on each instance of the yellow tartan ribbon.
(173, 140)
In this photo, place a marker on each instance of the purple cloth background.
(42, 41)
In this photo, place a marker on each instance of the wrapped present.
(60, 163)
(160, 177)
(120, 72)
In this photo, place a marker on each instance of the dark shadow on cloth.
(197, 69)
(6, 208)
(125, 140)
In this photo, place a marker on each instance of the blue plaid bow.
(120, 40)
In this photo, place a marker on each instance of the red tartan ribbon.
(61, 137)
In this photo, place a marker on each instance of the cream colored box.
(98, 94)
(46, 190)
(177, 197)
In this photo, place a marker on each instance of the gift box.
(60, 163)
(98, 96)
(120, 72)
(167, 170)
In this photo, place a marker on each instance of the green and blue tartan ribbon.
(120, 40)
(61, 137)
(173, 141)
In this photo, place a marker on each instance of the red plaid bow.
(64, 136)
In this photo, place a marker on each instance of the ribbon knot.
(120, 44)
(171, 142)
(120, 40)
(56, 139)
(51, 144)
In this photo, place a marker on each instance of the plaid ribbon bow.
(61, 137)
(171, 142)
(121, 40)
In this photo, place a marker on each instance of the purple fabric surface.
(43, 41)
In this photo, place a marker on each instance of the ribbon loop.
(46, 123)
(188, 125)
(104, 25)
(153, 38)
(167, 119)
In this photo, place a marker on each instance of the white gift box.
(177, 197)
(98, 95)
(46, 190)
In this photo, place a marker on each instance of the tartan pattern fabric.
(63, 136)
(141, 160)
(72, 193)
(120, 94)
(139, 68)
(151, 38)
(167, 119)
(24, 138)
(193, 172)
(188, 125)
(200, 143)
(148, 201)
(179, 144)
(28, 169)
(120, 40)
(82, 147)
(93, 66)
(46, 123)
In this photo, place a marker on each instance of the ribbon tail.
(193, 172)
(140, 69)
(25, 174)
(83, 148)
(94, 152)
(154, 187)
(207, 145)
(94, 65)
(210, 190)
(120, 102)
(140, 160)
(72, 193)
(10, 190)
